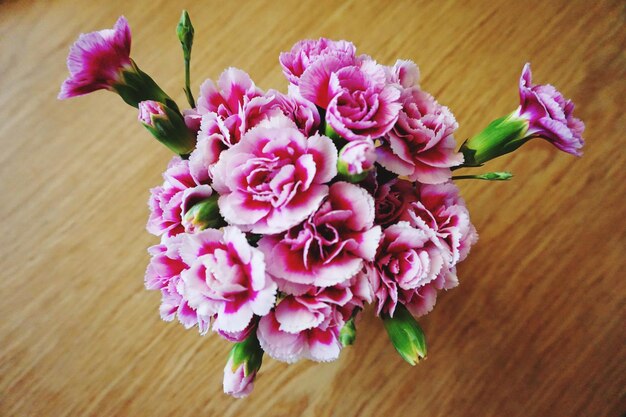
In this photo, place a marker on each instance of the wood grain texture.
(536, 328)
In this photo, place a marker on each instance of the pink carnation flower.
(392, 200)
(226, 278)
(363, 104)
(302, 112)
(169, 202)
(96, 60)
(549, 114)
(274, 177)
(163, 274)
(421, 144)
(330, 246)
(405, 73)
(441, 211)
(307, 325)
(306, 52)
(407, 260)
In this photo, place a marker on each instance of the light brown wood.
(536, 327)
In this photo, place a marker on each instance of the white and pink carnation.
(306, 325)
(308, 52)
(407, 260)
(163, 274)
(363, 104)
(331, 245)
(168, 203)
(421, 145)
(441, 211)
(274, 178)
(226, 278)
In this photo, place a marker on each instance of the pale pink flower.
(440, 210)
(306, 52)
(407, 259)
(549, 114)
(406, 73)
(226, 278)
(421, 144)
(274, 177)
(303, 112)
(96, 60)
(330, 246)
(169, 202)
(163, 274)
(237, 381)
(363, 104)
(307, 325)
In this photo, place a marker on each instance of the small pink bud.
(356, 159)
(149, 109)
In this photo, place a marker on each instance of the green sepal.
(405, 334)
(249, 352)
(136, 86)
(502, 136)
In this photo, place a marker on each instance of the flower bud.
(356, 159)
(347, 334)
(405, 334)
(167, 126)
(243, 364)
(185, 33)
(202, 215)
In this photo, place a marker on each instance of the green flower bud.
(406, 335)
(347, 334)
(185, 33)
(167, 126)
(204, 214)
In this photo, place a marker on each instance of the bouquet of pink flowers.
(282, 215)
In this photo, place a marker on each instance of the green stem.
(188, 93)
(489, 176)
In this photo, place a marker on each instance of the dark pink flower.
(392, 200)
(363, 105)
(169, 202)
(549, 114)
(97, 59)
(421, 144)
(274, 177)
(330, 246)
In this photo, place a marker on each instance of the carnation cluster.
(284, 214)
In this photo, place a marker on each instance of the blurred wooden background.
(536, 328)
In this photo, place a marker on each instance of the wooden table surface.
(536, 328)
